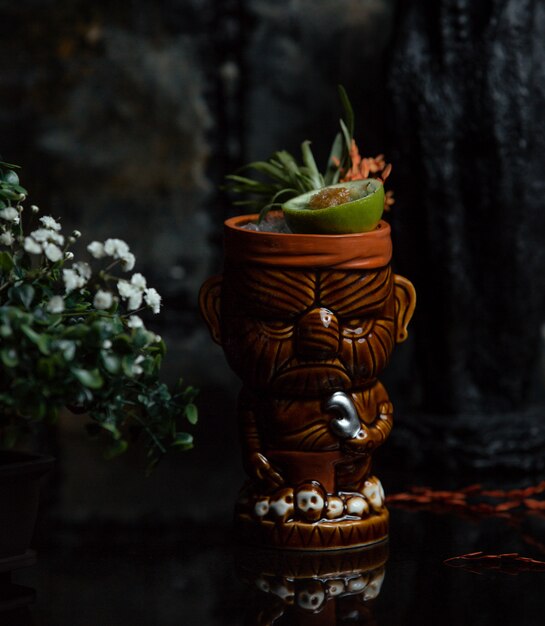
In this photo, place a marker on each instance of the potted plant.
(71, 337)
(308, 312)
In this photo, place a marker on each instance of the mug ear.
(209, 304)
(405, 301)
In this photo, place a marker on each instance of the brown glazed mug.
(308, 322)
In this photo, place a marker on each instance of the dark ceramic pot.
(20, 477)
(308, 322)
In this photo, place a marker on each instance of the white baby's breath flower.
(31, 246)
(103, 299)
(68, 255)
(116, 248)
(158, 338)
(130, 293)
(72, 280)
(50, 223)
(55, 304)
(76, 277)
(83, 269)
(7, 239)
(34, 208)
(128, 261)
(40, 234)
(135, 322)
(153, 299)
(76, 234)
(10, 215)
(106, 344)
(135, 301)
(53, 252)
(125, 289)
(138, 281)
(43, 234)
(96, 249)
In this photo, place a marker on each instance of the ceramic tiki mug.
(308, 322)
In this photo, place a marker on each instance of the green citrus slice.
(352, 207)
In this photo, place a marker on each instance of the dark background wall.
(126, 116)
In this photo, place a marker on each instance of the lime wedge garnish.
(360, 210)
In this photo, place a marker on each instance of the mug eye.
(277, 328)
(354, 323)
(357, 327)
(275, 324)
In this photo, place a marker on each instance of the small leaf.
(14, 187)
(5, 331)
(141, 338)
(111, 362)
(8, 193)
(294, 173)
(191, 413)
(127, 363)
(348, 110)
(6, 262)
(91, 379)
(115, 449)
(184, 441)
(9, 357)
(11, 178)
(346, 134)
(23, 293)
(42, 341)
(267, 168)
(11, 166)
(45, 368)
(122, 343)
(332, 171)
(308, 160)
(112, 428)
(78, 331)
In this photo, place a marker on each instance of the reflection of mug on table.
(313, 588)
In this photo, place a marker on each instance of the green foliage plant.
(71, 336)
(261, 186)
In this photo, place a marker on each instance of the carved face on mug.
(302, 333)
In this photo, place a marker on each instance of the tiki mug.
(308, 322)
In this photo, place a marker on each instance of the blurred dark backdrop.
(126, 116)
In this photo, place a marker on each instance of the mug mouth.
(239, 221)
(369, 250)
(312, 378)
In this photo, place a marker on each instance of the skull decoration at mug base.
(308, 322)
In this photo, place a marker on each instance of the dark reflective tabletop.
(196, 575)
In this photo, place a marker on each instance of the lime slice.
(360, 214)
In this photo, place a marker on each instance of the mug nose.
(317, 334)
